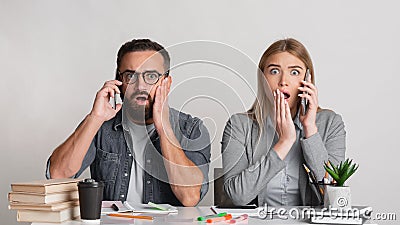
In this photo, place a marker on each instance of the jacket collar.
(117, 120)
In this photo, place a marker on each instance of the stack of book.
(54, 200)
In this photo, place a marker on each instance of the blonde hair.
(263, 105)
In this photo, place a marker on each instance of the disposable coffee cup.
(90, 197)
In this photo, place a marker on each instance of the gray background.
(55, 55)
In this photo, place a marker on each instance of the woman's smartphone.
(304, 101)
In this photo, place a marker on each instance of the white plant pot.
(337, 197)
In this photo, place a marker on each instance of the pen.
(326, 177)
(325, 181)
(114, 207)
(313, 180)
(310, 174)
(219, 219)
(131, 216)
(203, 218)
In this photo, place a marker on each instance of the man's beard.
(136, 112)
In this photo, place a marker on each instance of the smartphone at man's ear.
(304, 101)
(116, 100)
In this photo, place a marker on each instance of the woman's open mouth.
(285, 94)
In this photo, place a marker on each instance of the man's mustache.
(136, 93)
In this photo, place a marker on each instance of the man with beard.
(146, 152)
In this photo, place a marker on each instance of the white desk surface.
(184, 213)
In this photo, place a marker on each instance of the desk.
(184, 213)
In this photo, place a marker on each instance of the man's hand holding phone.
(307, 119)
(102, 109)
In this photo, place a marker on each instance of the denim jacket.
(110, 158)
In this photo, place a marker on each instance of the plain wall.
(55, 56)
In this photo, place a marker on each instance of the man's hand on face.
(161, 107)
(102, 109)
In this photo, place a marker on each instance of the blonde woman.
(263, 157)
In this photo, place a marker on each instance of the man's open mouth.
(141, 98)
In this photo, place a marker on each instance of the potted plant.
(338, 195)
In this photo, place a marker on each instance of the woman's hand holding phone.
(309, 92)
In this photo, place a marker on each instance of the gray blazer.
(250, 162)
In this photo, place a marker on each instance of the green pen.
(159, 207)
(204, 218)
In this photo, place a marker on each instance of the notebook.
(146, 208)
(106, 207)
(251, 210)
(137, 208)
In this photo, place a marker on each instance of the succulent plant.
(342, 172)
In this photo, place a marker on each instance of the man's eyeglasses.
(150, 77)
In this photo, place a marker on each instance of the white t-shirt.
(137, 136)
